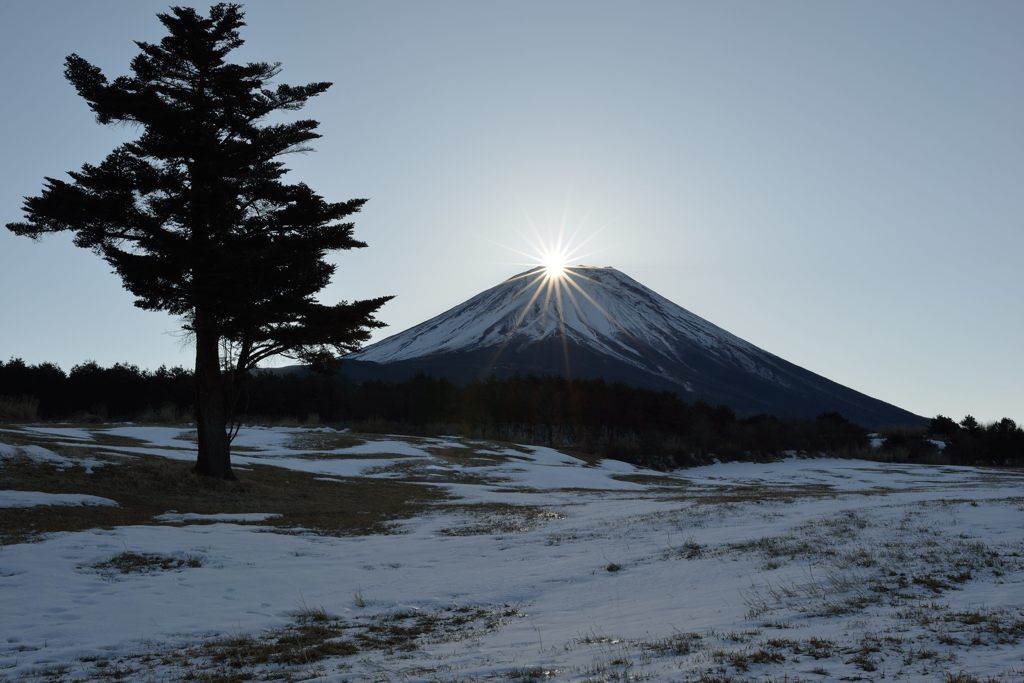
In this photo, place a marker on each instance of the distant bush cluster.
(965, 443)
(93, 393)
(646, 427)
(642, 426)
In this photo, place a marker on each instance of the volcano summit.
(600, 323)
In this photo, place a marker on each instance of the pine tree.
(195, 215)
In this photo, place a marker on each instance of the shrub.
(19, 409)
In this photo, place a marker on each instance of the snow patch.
(44, 456)
(30, 499)
(216, 517)
(552, 527)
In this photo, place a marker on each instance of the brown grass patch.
(499, 518)
(467, 457)
(319, 442)
(654, 482)
(301, 649)
(145, 563)
(146, 486)
(425, 470)
(72, 445)
(754, 494)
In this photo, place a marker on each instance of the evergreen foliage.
(195, 215)
(650, 428)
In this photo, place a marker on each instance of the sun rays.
(553, 287)
(555, 263)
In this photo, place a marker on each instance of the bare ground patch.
(147, 486)
(313, 645)
(499, 518)
(426, 470)
(323, 442)
(145, 563)
(467, 457)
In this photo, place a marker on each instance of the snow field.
(814, 569)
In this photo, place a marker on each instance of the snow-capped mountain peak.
(600, 308)
(601, 323)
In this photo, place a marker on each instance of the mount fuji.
(593, 322)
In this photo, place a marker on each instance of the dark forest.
(641, 426)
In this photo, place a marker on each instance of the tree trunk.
(214, 459)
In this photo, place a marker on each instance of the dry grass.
(655, 482)
(762, 493)
(146, 486)
(498, 518)
(677, 645)
(71, 445)
(467, 457)
(313, 643)
(18, 408)
(320, 442)
(423, 470)
(145, 563)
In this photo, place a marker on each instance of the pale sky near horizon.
(841, 183)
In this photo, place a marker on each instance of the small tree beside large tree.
(196, 217)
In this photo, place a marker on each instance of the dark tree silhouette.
(943, 426)
(970, 425)
(196, 218)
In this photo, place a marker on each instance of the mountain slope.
(599, 322)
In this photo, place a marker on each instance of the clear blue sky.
(841, 184)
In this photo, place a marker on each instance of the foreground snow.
(816, 569)
(28, 499)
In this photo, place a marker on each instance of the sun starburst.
(552, 284)
(555, 263)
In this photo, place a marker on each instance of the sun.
(555, 261)
(552, 287)
(551, 260)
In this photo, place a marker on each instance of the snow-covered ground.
(29, 499)
(542, 567)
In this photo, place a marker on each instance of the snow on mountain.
(600, 308)
(601, 323)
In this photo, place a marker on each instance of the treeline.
(947, 442)
(650, 428)
(642, 426)
(92, 393)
